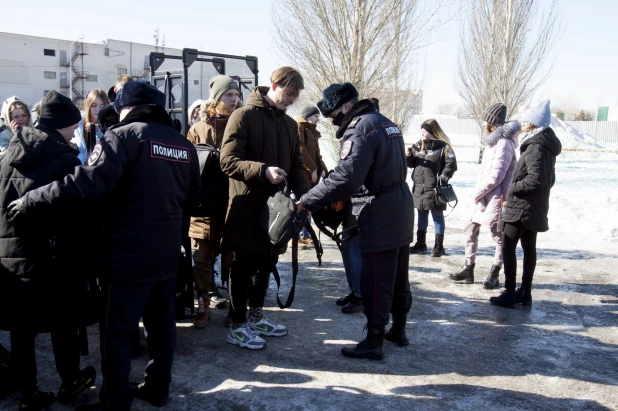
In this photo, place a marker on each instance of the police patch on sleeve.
(95, 155)
(169, 152)
(392, 130)
(345, 149)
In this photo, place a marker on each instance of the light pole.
(71, 67)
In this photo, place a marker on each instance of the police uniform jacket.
(372, 159)
(44, 282)
(436, 159)
(148, 176)
(257, 136)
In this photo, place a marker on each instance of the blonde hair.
(528, 127)
(19, 104)
(92, 96)
(288, 78)
(437, 132)
(123, 79)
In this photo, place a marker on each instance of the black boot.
(142, 392)
(371, 347)
(397, 333)
(524, 297)
(507, 299)
(345, 300)
(464, 276)
(420, 246)
(354, 306)
(492, 281)
(438, 248)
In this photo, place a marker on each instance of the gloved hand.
(442, 180)
(16, 209)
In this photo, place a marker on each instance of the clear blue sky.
(586, 57)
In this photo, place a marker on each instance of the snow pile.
(570, 137)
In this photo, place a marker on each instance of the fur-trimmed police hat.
(138, 93)
(335, 95)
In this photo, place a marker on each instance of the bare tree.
(373, 44)
(503, 53)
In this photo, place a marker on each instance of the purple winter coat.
(496, 172)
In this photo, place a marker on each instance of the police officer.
(148, 176)
(371, 169)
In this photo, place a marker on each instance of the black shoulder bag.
(444, 194)
(281, 222)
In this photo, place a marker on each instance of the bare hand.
(323, 174)
(300, 208)
(409, 152)
(14, 126)
(275, 175)
(314, 176)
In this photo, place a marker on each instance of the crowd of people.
(124, 168)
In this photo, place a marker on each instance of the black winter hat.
(495, 114)
(58, 111)
(335, 95)
(138, 93)
(309, 111)
(107, 117)
(111, 94)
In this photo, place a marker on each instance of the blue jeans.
(352, 263)
(438, 220)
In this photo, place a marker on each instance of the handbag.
(444, 194)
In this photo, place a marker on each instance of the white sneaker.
(243, 335)
(267, 327)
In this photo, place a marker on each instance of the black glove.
(442, 180)
(16, 209)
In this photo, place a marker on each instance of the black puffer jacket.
(148, 175)
(372, 159)
(534, 176)
(425, 164)
(43, 262)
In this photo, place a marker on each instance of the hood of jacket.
(257, 98)
(362, 107)
(546, 138)
(509, 130)
(32, 147)
(6, 105)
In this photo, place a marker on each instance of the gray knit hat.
(219, 85)
(495, 114)
(540, 115)
(309, 111)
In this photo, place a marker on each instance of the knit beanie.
(219, 85)
(309, 111)
(540, 115)
(58, 111)
(495, 114)
(138, 93)
(335, 95)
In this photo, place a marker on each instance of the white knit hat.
(540, 115)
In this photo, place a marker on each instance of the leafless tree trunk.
(370, 43)
(504, 48)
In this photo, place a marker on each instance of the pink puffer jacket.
(496, 172)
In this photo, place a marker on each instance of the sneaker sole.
(242, 344)
(270, 334)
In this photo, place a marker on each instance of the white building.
(32, 66)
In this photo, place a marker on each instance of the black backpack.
(214, 182)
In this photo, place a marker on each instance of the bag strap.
(319, 251)
(328, 233)
(290, 298)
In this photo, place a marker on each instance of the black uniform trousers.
(385, 287)
(65, 343)
(124, 305)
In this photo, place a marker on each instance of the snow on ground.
(584, 200)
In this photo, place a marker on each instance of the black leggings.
(513, 232)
